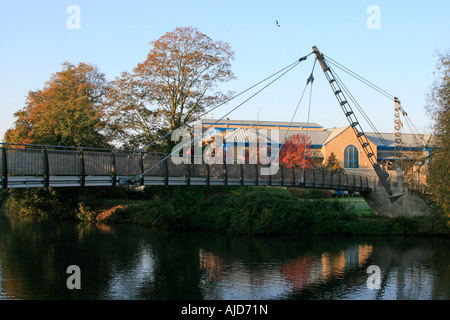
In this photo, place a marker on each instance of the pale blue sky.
(115, 36)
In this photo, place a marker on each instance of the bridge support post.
(83, 169)
(226, 173)
(293, 175)
(5, 168)
(314, 178)
(46, 167)
(408, 205)
(141, 160)
(242, 175)
(166, 169)
(339, 182)
(114, 170)
(188, 178)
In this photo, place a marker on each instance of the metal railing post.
(46, 167)
(188, 180)
(323, 179)
(4, 168)
(141, 159)
(270, 178)
(293, 175)
(339, 181)
(166, 169)
(83, 169)
(331, 179)
(226, 173)
(114, 170)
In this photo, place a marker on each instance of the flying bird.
(277, 24)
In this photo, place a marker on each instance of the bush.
(248, 211)
(53, 203)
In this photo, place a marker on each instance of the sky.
(391, 43)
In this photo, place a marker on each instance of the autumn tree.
(66, 112)
(172, 86)
(439, 108)
(296, 151)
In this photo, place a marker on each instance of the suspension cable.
(289, 68)
(310, 79)
(360, 78)
(376, 88)
(352, 98)
(238, 106)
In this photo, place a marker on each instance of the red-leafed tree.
(295, 151)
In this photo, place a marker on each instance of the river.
(135, 263)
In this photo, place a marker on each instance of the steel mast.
(354, 123)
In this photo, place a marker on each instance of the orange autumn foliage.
(66, 112)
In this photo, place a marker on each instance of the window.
(351, 157)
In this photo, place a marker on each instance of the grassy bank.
(261, 211)
(237, 210)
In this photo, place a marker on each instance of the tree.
(175, 82)
(66, 112)
(293, 151)
(133, 123)
(439, 108)
(333, 164)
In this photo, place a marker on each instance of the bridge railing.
(49, 166)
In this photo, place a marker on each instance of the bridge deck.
(45, 167)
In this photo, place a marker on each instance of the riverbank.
(234, 210)
(261, 211)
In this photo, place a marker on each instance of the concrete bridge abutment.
(403, 203)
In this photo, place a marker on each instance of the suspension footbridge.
(36, 166)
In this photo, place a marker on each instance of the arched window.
(351, 157)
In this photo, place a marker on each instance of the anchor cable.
(224, 102)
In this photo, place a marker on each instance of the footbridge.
(37, 166)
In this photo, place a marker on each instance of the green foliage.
(439, 109)
(333, 164)
(249, 211)
(54, 203)
(306, 193)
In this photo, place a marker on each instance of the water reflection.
(222, 279)
(127, 262)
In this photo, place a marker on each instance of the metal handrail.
(83, 162)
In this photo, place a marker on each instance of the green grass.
(361, 207)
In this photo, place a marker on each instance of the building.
(342, 142)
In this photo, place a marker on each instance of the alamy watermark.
(374, 280)
(74, 280)
(252, 146)
(374, 20)
(73, 21)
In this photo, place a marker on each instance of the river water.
(131, 262)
